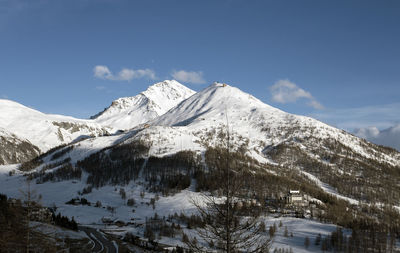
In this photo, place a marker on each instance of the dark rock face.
(15, 150)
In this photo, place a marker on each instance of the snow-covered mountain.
(45, 130)
(256, 129)
(14, 149)
(259, 125)
(199, 121)
(268, 135)
(128, 112)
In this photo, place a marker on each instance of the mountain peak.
(157, 99)
(173, 84)
(166, 94)
(213, 103)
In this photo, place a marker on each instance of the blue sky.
(338, 61)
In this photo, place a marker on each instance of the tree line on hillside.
(123, 163)
(360, 240)
(60, 171)
(37, 161)
(115, 165)
(352, 174)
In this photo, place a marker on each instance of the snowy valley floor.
(57, 194)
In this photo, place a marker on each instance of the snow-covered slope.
(263, 126)
(128, 112)
(45, 130)
(59, 193)
(14, 149)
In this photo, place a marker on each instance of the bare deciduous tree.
(227, 227)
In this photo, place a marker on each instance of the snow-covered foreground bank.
(300, 229)
(115, 208)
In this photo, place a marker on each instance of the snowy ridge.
(45, 130)
(128, 112)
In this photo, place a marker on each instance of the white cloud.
(387, 137)
(195, 77)
(284, 91)
(368, 132)
(103, 72)
(367, 122)
(129, 74)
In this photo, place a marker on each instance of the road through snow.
(102, 244)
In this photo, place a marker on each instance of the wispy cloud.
(129, 74)
(284, 91)
(380, 116)
(195, 77)
(103, 72)
(315, 104)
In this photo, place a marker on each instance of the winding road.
(101, 242)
